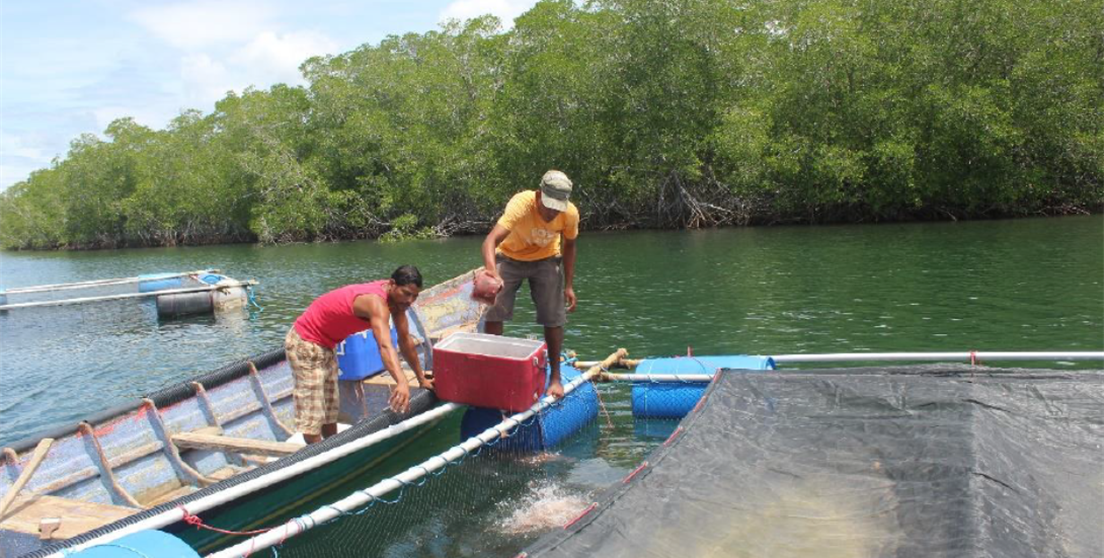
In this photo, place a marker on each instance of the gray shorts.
(546, 285)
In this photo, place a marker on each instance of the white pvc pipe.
(127, 295)
(965, 356)
(203, 504)
(697, 378)
(359, 498)
(102, 282)
(865, 357)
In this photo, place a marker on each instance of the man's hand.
(400, 398)
(426, 383)
(555, 389)
(569, 298)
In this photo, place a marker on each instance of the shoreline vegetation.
(666, 114)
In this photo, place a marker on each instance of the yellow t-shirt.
(532, 238)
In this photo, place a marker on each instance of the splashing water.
(546, 505)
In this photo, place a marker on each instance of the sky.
(69, 67)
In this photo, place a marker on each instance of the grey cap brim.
(553, 203)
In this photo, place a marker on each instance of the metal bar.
(685, 378)
(967, 356)
(106, 466)
(125, 296)
(102, 282)
(361, 497)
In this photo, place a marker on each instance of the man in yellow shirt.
(525, 244)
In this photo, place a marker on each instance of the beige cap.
(555, 189)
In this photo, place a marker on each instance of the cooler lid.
(490, 345)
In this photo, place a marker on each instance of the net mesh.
(492, 502)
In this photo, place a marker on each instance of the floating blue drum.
(674, 400)
(151, 282)
(545, 430)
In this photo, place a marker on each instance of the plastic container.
(151, 282)
(358, 356)
(212, 278)
(489, 370)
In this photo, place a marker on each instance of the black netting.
(490, 503)
(908, 461)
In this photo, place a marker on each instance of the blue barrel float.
(150, 282)
(548, 428)
(143, 544)
(674, 400)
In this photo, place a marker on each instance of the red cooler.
(489, 371)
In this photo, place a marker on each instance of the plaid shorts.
(315, 371)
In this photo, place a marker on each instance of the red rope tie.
(636, 471)
(673, 435)
(973, 358)
(199, 524)
(581, 515)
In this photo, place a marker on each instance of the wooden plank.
(40, 452)
(170, 496)
(384, 378)
(76, 516)
(239, 445)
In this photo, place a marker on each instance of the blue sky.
(69, 67)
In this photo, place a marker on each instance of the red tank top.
(330, 319)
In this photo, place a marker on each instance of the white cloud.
(278, 56)
(147, 116)
(205, 80)
(505, 10)
(19, 156)
(15, 146)
(203, 23)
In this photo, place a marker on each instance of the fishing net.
(492, 502)
(909, 461)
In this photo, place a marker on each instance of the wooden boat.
(219, 447)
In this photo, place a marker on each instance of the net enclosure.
(893, 461)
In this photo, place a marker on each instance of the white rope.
(102, 282)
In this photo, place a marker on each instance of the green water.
(1025, 285)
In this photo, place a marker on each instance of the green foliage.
(674, 113)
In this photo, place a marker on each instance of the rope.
(602, 404)
(252, 297)
(199, 524)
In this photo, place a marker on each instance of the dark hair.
(407, 274)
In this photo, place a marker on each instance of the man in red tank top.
(328, 321)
